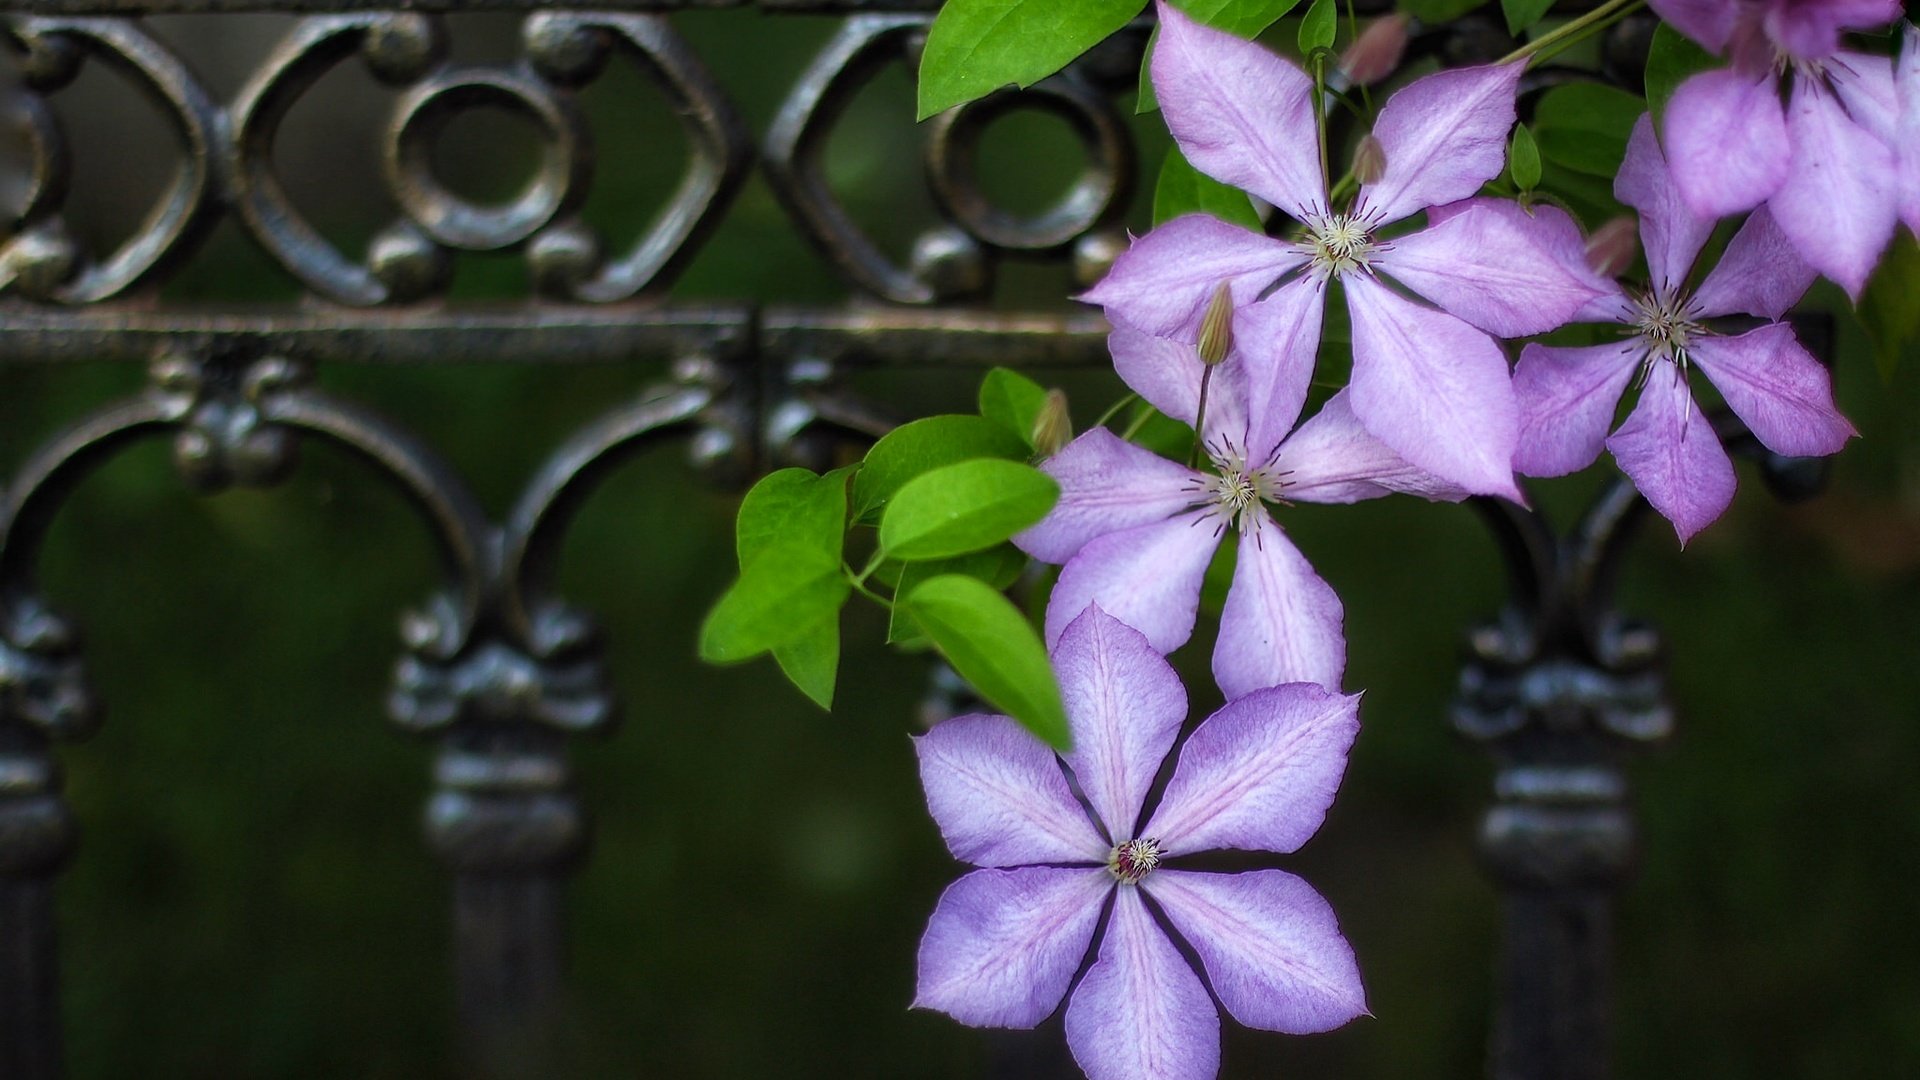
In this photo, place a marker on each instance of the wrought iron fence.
(498, 667)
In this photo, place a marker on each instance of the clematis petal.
(1709, 22)
(999, 797)
(1864, 85)
(1779, 389)
(1567, 399)
(1282, 622)
(1837, 202)
(1003, 945)
(1142, 1013)
(1259, 774)
(1239, 113)
(1279, 341)
(1333, 458)
(1760, 273)
(1147, 577)
(1669, 450)
(1166, 373)
(1433, 388)
(1270, 944)
(1811, 31)
(1671, 233)
(1161, 284)
(1507, 270)
(1444, 135)
(1726, 141)
(1907, 87)
(1106, 485)
(1124, 707)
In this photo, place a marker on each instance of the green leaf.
(911, 449)
(992, 646)
(1589, 197)
(1523, 159)
(1243, 18)
(1145, 101)
(1439, 11)
(788, 588)
(1013, 401)
(1319, 27)
(1522, 14)
(966, 507)
(1183, 189)
(795, 505)
(977, 46)
(998, 566)
(1887, 308)
(811, 661)
(1585, 127)
(1671, 59)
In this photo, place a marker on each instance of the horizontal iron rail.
(559, 335)
(217, 7)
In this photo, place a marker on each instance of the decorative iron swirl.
(956, 260)
(226, 157)
(232, 423)
(226, 161)
(42, 259)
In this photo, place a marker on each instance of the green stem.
(1115, 410)
(1547, 54)
(1343, 187)
(1320, 116)
(1200, 418)
(1573, 30)
(1138, 423)
(879, 556)
(871, 595)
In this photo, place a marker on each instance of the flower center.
(1666, 326)
(1134, 859)
(1235, 491)
(1340, 243)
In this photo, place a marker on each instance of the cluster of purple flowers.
(1220, 327)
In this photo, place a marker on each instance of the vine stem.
(860, 579)
(1115, 410)
(1573, 30)
(1138, 423)
(1200, 418)
(1320, 117)
(861, 588)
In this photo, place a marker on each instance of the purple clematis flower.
(1428, 382)
(1005, 941)
(1825, 165)
(1136, 531)
(1907, 132)
(1785, 396)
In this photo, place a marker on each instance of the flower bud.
(1216, 327)
(1612, 246)
(1369, 160)
(1376, 53)
(1052, 427)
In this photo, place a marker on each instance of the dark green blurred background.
(252, 898)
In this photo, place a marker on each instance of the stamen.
(1132, 860)
(1666, 327)
(1236, 491)
(1340, 243)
